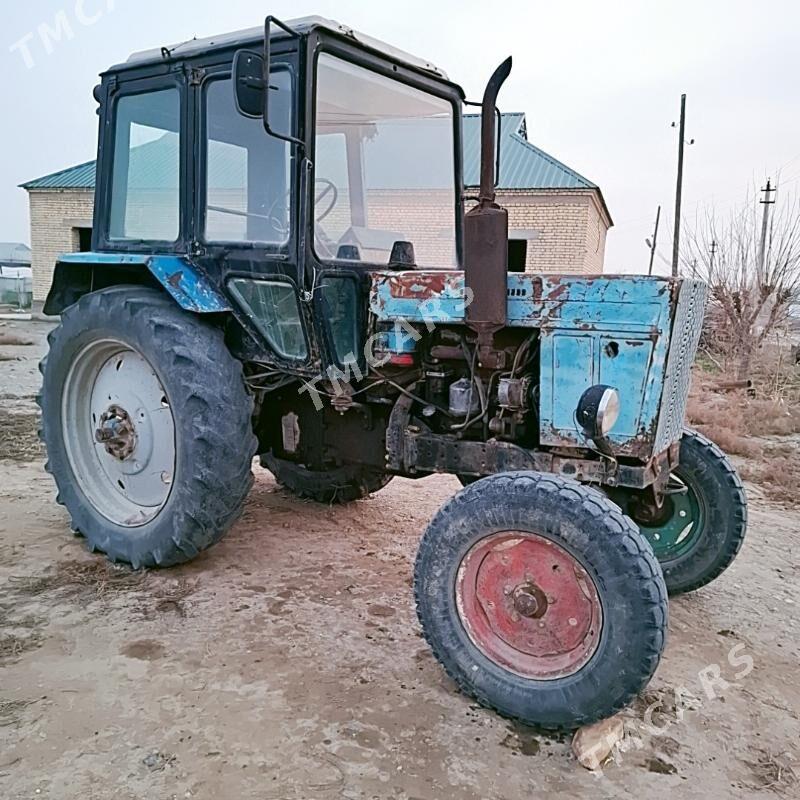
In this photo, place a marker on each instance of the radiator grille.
(686, 329)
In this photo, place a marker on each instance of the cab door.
(246, 201)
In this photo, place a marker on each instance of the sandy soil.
(287, 662)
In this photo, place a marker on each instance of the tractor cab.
(283, 163)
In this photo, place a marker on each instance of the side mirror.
(267, 77)
(248, 78)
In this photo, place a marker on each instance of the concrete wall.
(55, 217)
(565, 229)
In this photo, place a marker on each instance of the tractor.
(284, 264)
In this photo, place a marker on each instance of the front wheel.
(700, 529)
(147, 425)
(541, 599)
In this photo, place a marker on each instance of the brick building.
(558, 219)
(61, 208)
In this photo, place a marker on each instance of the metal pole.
(653, 244)
(762, 253)
(679, 187)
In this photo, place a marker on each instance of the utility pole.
(762, 253)
(653, 243)
(676, 240)
(712, 251)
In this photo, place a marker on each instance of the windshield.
(384, 163)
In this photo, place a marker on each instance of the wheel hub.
(677, 526)
(119, 432)
(116, 432)
(529, 601)
(529, 605)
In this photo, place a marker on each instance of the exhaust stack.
(486, 234)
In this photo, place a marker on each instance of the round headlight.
(608, 412)
(598, 410)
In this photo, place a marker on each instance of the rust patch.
(175, 279)
(559, 438)
(418, 285)
(557, 291)
(375, 297)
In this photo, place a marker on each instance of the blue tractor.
(282, 266)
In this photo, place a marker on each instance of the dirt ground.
(287, 662)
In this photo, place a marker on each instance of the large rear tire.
(541, 599)
(340, 485)
(147, 425)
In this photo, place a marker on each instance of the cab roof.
(255, 36)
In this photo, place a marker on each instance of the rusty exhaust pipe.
(486, 237)
(488, 133)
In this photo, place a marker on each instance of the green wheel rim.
(681, 524)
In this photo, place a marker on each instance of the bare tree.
(752, 289)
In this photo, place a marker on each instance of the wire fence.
(16, 292)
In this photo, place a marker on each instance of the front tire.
(541, 599)
(704, 522)
(147, 425)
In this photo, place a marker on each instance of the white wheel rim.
(109, 381)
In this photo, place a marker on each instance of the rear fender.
(77, 274)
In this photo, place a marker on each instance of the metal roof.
(14, 253)
(252, 36)
(78, 177)
(522, 165)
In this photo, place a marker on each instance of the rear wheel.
(700, 529)
(147, 425)
(339, 485)
(541, 599)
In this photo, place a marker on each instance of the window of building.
(248, 182)
(82, 240)
(146, 170)
(517, 254)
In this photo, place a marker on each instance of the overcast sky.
(600, 84)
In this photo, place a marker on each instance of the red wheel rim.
(528, 605)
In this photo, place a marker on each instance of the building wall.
(596, 232)
(55, 217)
(565, 229)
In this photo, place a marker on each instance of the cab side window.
(145, 182)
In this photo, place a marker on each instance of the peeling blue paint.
(607, 329)
(396, 340)
(179, 276)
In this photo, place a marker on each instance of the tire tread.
(223, 446)
(653, 592)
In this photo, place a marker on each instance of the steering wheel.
(329, 188)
